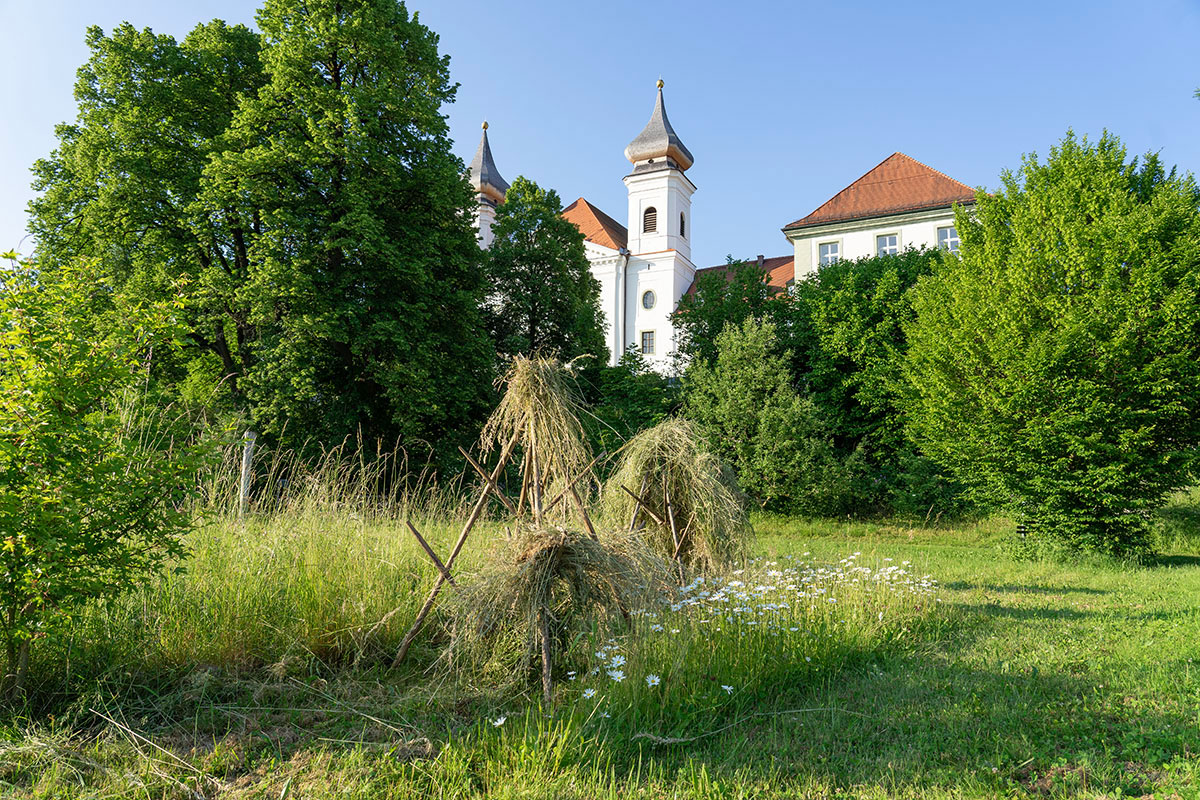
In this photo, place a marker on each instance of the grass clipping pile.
(699, 514)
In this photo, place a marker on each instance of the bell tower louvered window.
(682, 227)
(650, 220)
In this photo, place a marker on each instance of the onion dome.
(483, 173)
(659, 140)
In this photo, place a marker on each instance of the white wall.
(857, 239)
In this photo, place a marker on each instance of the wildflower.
(589, 693)
(617, 661)
(605, 715)
(728, 689)
(652, 680)
(617, 675)
(656, 627)
(806, 658)
(674, 630)
(498, 721)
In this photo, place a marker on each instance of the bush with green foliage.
(851, 343)
(629, 397)
(777, 441)
(1055, 363)
(95, 481)
(726, 296)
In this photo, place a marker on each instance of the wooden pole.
(526, 472)
(462, 538)
(674, 532)
(437, 562)
(637, 506)
(487, 479)
(547, 685)
(247, 460)
(571, 484)
(644, 507)
(537, 477)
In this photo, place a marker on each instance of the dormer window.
(682, 227)
(650, 220)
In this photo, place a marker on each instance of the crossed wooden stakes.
(490, 487)
(678, 537)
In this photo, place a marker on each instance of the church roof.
(779, 269)
(597, 227)
(483, 173)
(658, 139)
(898, 184)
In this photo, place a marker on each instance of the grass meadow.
(842, 659)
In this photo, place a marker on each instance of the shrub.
(1055, 363)
(94, 483)
(774, 439)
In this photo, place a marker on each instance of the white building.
(644, 267)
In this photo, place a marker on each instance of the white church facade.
(645, 266)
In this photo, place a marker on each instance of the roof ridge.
(931, 169)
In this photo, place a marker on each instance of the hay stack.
(541, 408)
(670, 461)
(537, 589)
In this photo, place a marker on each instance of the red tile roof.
(898, 184)
(779, 269)
(597, 227)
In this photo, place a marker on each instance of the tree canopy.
(541, 293)
(302, 181)
(1055, 362)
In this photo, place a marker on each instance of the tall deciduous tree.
(120, 191)
(302, 180)
(1056, 361)
(541, 293)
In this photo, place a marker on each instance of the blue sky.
(782, 103)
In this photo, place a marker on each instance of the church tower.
(489, 189)
(660, 194)
(659, 268)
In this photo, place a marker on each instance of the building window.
(647, 343)
(828, 253)
(948, 239)
(682, 227)
(648, 300)
(650, 220)
(887, 245)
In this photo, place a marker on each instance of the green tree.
(725, 296)
(363, 276)
(1055, 363)
(302, 181)
(852, 315)
(774, 439)
(120, 190)
(94, 482)
(541, 293)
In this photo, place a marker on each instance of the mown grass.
(258, 670)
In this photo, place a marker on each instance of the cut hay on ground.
(671, 460)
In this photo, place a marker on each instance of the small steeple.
(659, 140)
(483, 173)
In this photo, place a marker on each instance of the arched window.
(650, 220)
(682, 227)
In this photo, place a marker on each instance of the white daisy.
(617, 675)
(589, 693)
(652, 680)
(498, 721)
(728, 689)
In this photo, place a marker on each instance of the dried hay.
(542, 407)
(671, 459)
(538, 589)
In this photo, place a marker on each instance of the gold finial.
(660, 83)
(485, 124)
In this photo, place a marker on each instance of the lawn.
(250, 677)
